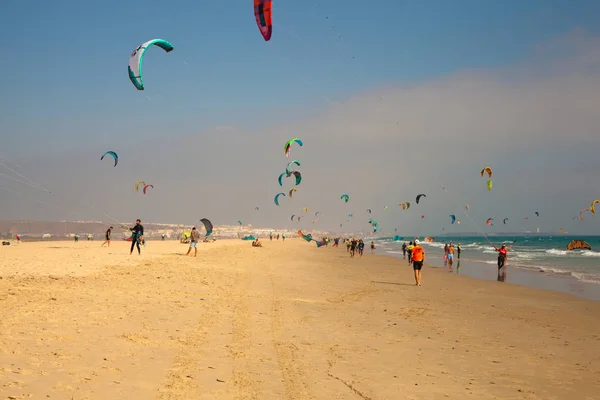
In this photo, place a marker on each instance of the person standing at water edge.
(194, 236)
(136, 236)
(372, 247)
(404, 250)
(450, 256)
(107, 237)
(418, 257)
(458, 251)
(502, 255)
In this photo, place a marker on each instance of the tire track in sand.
(294, 377)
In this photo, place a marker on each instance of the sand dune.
(287, 321)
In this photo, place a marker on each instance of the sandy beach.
(286, 321)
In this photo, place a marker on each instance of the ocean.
(537, 253)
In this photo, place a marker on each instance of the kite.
(298, 176)
(146, 187)
(288, 169)
(111, 153)
(345, 197)
(423, 217)
(452, 218)
(256, 208)
(578, 244)
(369, 210)
(288, 145)
(405, 206)
(292, 217)
(136, 58)
(300, 217)
(138, 183)
(419, 197)
(308, 237)
(240, 222)
(504, 221)
(280, 179)
(537, 213)
(264, 17)
(526, 219)
(385, 208)
(294, 190)
(208, 226)
(317, 214)
(276, 200)
(487, 169)
(489, 221)
(592, 206)
(375, 225)
(581, 213)
(350, 215)
(467, 207)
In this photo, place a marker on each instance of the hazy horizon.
(384, 114)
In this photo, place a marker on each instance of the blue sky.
(65, 85)
(66, 67)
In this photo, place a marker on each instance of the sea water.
(539, 253)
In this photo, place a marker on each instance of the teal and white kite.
(135, 61)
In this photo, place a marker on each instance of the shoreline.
(516, 275)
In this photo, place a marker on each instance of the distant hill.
(67, 228)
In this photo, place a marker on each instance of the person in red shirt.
(502, 254)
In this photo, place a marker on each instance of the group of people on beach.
(353, 245)
(449, 251)
(137, 237)
(414, 250)
(271, 236)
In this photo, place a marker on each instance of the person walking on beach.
(404, 250)
(136, 236)
(409, 250)
(372, 247)
(361, 247)
(352, 247)
(418, 257)
(450, 256)
(458, 251)
(194, 236)
(107, 237)
(76, 237)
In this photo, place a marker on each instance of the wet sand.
(287, 321)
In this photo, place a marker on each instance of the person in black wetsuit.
(136, 237)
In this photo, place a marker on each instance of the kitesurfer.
(136, 236)
(502, 255)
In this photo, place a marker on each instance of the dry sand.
(287, 321)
